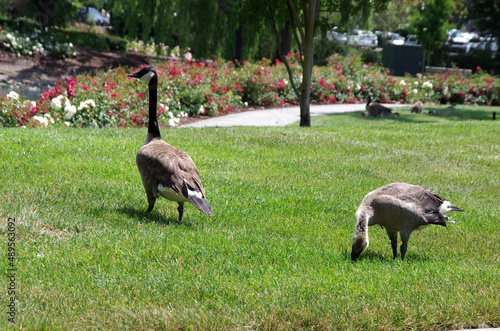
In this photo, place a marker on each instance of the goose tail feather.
(202, 204)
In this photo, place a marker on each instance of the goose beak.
(453, 208)
(134, 75)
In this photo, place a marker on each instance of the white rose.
(12, 96)
(41, 120)
(55, 104)
(70, 111)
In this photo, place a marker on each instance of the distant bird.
(165, 170)
(399, 207)
(417, 107)
(433, 112)
(494, 115)
(376, 109)
(452, 106)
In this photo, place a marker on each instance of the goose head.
(446, 207)
(146, 74)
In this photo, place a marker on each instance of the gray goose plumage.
(165, 170)
(417, 107)
(398, 207)
(376, 109)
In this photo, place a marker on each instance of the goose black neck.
(153, 128)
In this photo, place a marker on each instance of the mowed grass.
(276, 254)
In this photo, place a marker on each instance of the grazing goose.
(376, 109)
(399, 207)
(434, 112)
(417, 107)
(165, 170)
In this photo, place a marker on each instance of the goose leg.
(151, 202)
(181, 211)
(393, 236)
(404, 245)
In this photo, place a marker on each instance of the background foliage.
(218, 87)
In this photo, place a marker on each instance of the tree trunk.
(285, 43)
(238, 36)
(43, 10)
(238, 43)
(310, 8)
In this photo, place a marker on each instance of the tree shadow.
(401, 118)
(461, 114)
(153, 217)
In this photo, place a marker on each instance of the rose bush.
(186, 87)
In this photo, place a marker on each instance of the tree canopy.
(485, 14)
(430, 22)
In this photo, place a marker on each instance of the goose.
(165, 170)
(417, 107)
(434, 112)
(399, 207)
(376, 109)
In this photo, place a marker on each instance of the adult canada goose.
(434, 112)
(399, 207)
(165, 170)
(376, 109)
(417, 107)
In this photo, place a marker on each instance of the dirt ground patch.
(42, 70)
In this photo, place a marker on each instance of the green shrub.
(191, 101)
(92, 40)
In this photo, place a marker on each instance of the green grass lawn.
(276, 254)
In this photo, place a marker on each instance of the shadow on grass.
(153, 217)
(461, 113)
(375, 256)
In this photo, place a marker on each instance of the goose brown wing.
(171, 167)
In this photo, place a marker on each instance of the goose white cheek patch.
(147, 77)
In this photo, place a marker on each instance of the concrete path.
(277, 116)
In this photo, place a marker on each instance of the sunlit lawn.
(276, 254)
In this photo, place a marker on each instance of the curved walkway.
(277, 116)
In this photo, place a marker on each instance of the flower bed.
(110, 99)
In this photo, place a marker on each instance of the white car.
(340, 38)
(360, 38)
(396, 39)
(411, 40)
(456, 42)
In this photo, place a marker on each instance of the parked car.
(411, 40)
(395, 39)
(483, 43)
(362, 38)
(340, 38)
(94, 15)
(456, 42)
